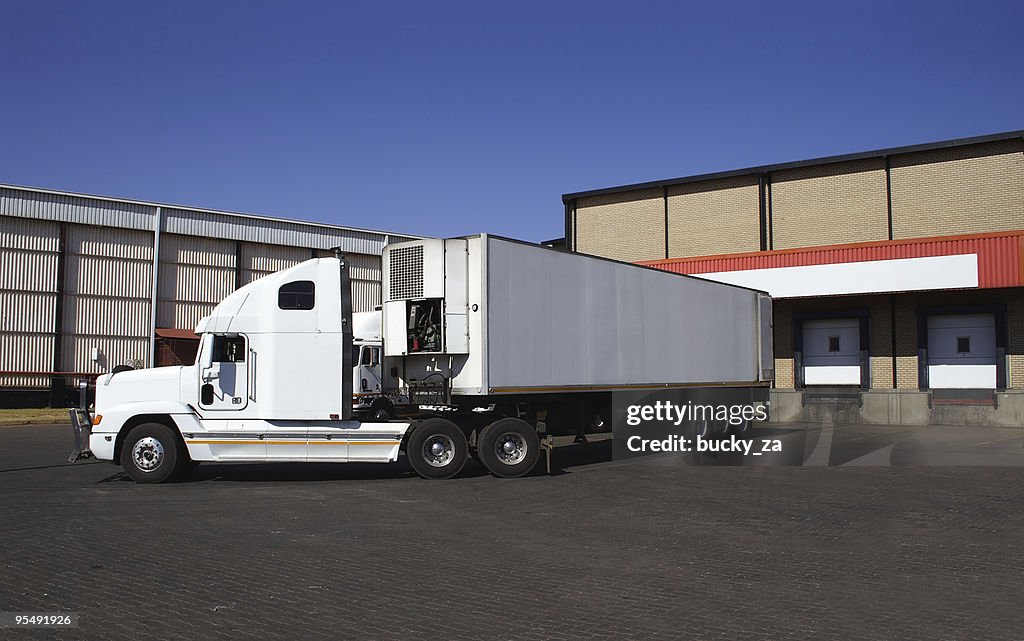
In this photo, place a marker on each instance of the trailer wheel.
(437, 449)
(150, 453)
(508, 447)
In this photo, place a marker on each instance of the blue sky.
(450, 118)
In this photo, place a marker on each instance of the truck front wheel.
(508, 447)
(437, 449)
(149, 453)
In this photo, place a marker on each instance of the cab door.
(225, 379)
(223, 392)
(368, 380)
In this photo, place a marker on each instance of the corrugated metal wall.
(74, 208)
(28, 295)
(365, 274)
(43, 204)
(108, 273)
(260, 260)
(195, 274)
(266, 231)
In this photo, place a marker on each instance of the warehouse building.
(898, 274)
(88, 283)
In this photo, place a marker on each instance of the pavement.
(881, 532)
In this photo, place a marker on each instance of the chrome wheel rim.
(510, 448)
(147, 453)
(438, 450)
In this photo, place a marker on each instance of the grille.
(406, 272)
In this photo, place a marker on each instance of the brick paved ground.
(605, 550)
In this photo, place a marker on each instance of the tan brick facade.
(784, 373)
(628, 227)
(782, 326)
(906, 344)
(962, 190)
(1015, 345)
(880, 347)
(716, 217)
(829, 204)
(951, 190)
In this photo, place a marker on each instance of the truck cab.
(273, 380)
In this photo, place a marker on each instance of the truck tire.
(150, 453)
(382, 410)
(508, 447)
(437, 449)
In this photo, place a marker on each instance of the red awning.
(170, 332)
(1000, 256)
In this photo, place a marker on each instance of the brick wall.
(1015, 346)
(782, 337)
(956, 190)
(962, 190)
(714, 217)
(906, 343)
(829, 204)
(628, 227)
(880, 347)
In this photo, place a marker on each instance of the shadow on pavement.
(48, 467)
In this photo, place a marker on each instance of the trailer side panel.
(560, 320)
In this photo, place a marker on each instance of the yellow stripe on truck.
(353, 442)
(295, 442)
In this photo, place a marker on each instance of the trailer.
(495, 345)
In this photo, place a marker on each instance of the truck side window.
(299, 294)
(367, 358)
(228, 349)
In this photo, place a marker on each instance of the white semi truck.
(506, 342)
